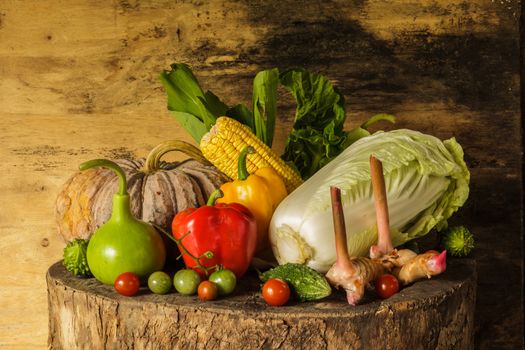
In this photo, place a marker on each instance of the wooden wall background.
(78, 80)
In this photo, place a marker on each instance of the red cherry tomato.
(276, 292)
(386, 286)
(207, 291)
(127, 284)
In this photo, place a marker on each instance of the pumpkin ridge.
(171, 186)
(135, 182)
(206, 183)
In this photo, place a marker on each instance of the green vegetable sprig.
(317, 135)
(458, 241)
(75, 257)
(197, 110)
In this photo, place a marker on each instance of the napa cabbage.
(426, 180)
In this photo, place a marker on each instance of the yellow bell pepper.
(260, 192)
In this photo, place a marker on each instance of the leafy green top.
(317, 135)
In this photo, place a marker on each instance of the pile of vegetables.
(426, 180)
(241, 200)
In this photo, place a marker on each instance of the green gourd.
(306, 283)
(123, 243)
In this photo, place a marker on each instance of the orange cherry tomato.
(276, 292)
(207, 291)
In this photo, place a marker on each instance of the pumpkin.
(157, 189)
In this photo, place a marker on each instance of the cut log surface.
(430, 314)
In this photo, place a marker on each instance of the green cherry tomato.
(186, 281)
(159, 282)
(225, 280)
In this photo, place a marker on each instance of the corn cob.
(224, 142)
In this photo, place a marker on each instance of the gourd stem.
(214, 196)
(242, 170)
(112, 166)
(152, 162)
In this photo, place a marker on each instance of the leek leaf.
(189, 104)
(242, 114)
(265, 104)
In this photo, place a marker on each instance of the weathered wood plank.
(78, 80)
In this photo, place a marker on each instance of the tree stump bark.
(430, 314)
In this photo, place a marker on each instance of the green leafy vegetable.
(317, 135)
(426, 179)
(194, 127)
(214, 104)
(265, 104)
(186, 99)
(196, 110)
(75, 257)
(242, 114)
(458, 241)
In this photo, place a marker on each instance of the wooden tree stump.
(430, 314)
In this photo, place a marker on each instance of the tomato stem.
(207, 254)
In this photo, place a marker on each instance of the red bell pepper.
(228, 231)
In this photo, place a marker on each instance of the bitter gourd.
(306, 283)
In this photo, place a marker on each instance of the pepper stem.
(112, 166)
(242, 170)
(214, 196)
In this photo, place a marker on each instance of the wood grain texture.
(78, 80)
(430, 314)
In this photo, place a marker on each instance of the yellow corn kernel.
(224, 142)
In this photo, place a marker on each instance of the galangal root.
(354, 273)
(405, 264)
(428, 264)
